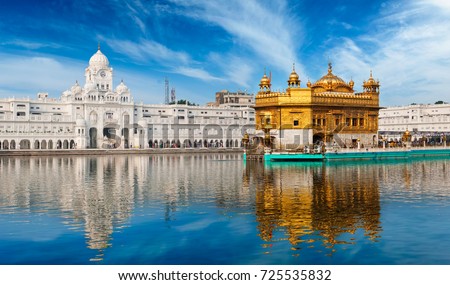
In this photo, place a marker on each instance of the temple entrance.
(318, 138)
(110, 138)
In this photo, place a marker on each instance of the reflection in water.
(99, 194)
(90, 193)
(314, 202)
(178, 209)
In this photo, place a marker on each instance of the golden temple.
(328, 111)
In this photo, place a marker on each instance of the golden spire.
(330, 67)
(265, 81)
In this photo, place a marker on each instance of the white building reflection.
(99, 194)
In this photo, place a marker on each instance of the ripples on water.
(217, 209)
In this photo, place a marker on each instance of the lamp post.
(262, 127)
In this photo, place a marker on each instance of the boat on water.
(350, 154)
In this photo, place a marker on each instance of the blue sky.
(204, 46)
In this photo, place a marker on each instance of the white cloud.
(268, 31)
(262, 33)
(408, 51)
(29, 44)
(146, 51)
(22, 74)
(195, 73)
(237, 69)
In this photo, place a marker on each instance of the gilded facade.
(328, 110)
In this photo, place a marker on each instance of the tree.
(183, 102)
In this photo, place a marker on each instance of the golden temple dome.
(264, 84)
(264, 80)
(330, 77)
(371, 81)
(294, 76)
(331, 81)
(371, 85)
(351, 83)
(293, 80)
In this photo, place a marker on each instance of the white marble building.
(421, 120)
(97, 115)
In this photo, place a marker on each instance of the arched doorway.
(25, 144)
(36, 144)
(66, 144)
(44, 144)
(72, 144)
(187, 143)
(50, 144)
(12, 144)
(110, 137)
(5, 144)
(318, 138)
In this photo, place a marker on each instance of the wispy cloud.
(195, 73)
(237, 69)
(36, 73)
(148, 52)
(29, 44)
(145, 51)
(408, 49)
(268, 31)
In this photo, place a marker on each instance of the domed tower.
(264, 84)
(371, 86)
(331, 82)
(351, 83)
(123, 92)
(98, 74)
(293, 81)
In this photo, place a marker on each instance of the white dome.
(99, 60)
(121, 88)
(76, 88)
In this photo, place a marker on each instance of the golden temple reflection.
(314, 203)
